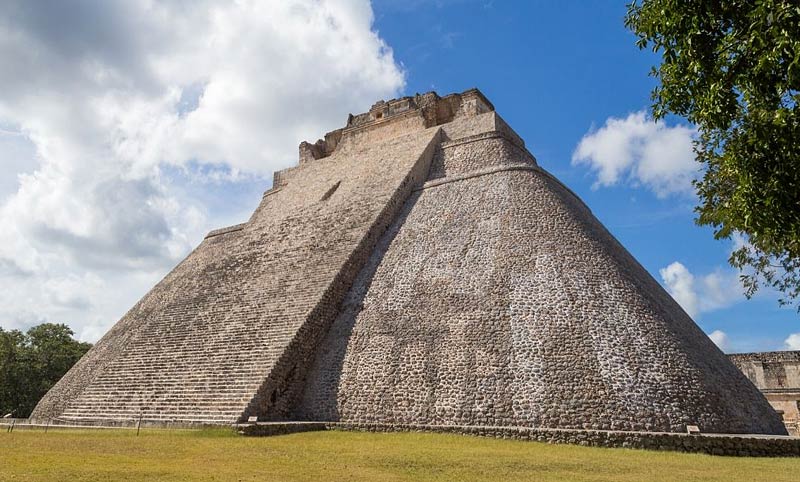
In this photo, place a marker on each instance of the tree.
(31, 363)
(732, 68)
(11, 397)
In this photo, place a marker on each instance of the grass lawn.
(222, 455)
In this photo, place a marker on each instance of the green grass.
(222, 455)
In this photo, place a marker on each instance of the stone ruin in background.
(777, 375)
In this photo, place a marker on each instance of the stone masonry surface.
(777, 375)
(207, 341)
(712, 444)
(417, 268)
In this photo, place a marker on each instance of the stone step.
(161, 401)
(151, 418)
(124, 397)
(162, 411)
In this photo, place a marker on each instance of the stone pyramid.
(416, 267)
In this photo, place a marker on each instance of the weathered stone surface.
(777, 375)
(729, 445)
(416, 268)
(500, 300)
(225, 334)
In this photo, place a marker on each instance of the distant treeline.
(31, 363)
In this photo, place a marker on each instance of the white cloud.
(640, 151)
(696, 295)
(680, 284)
(792, 342)
(702, 294)
(720, 338)
(103, 102)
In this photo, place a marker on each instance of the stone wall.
(496, 298)
(777, 375)
(223, 336)
(730, 445)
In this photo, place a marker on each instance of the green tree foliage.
(31, 363)
(732, 68)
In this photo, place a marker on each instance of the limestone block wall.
(712, 444)
(496, 298)
(477, 152)
(777, 375)
(245, 307)
(773, 370)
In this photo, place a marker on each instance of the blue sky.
(555, 71)
(128, 129)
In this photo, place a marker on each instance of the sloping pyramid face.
(418, 267)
